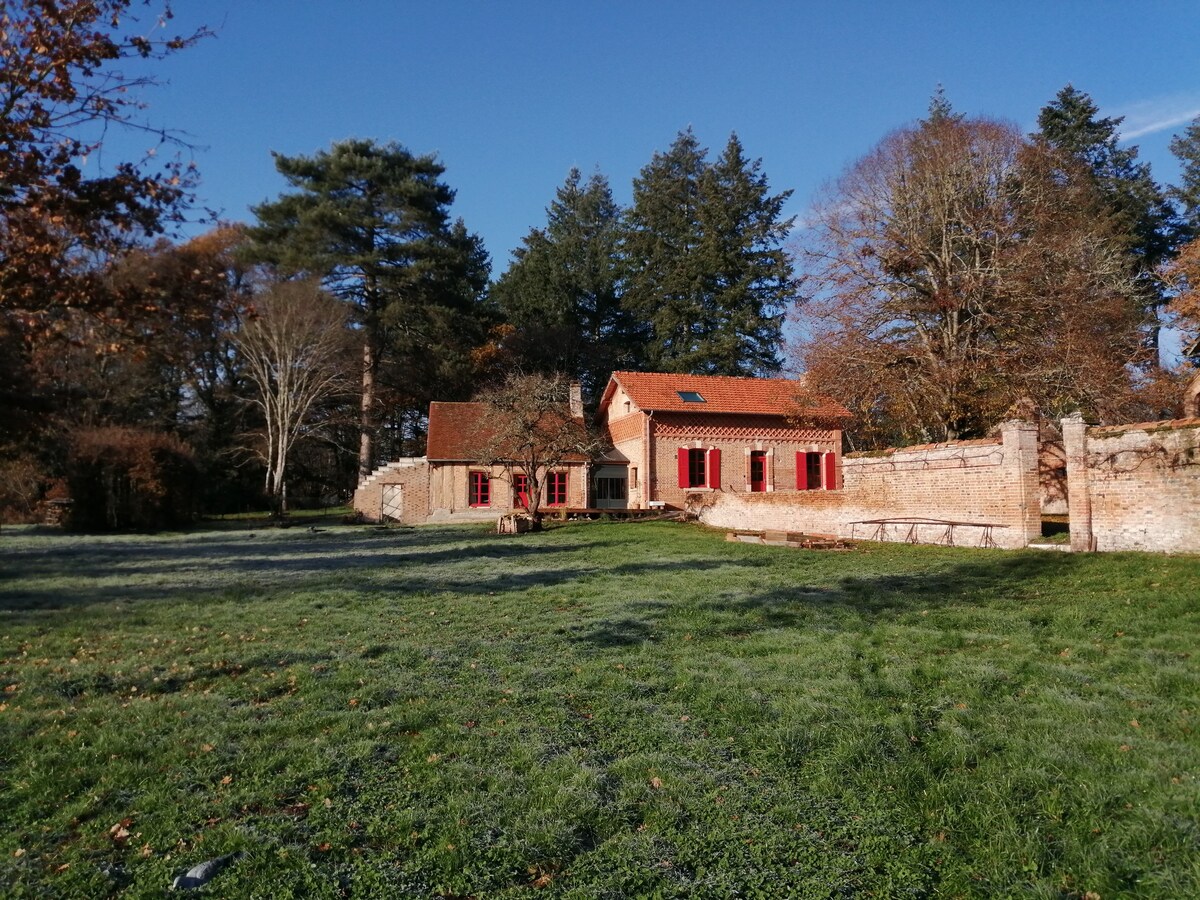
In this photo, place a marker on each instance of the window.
(691, 397)
(699, 468)
(610, 489)
(521, 490)
(815, 471)
(556, 488)
(633, 477)
(758, 470)
(480, 489)
(696, 472)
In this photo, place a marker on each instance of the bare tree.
(294, 352)
(956, 269)
(532, 425)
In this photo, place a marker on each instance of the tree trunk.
(366, 448)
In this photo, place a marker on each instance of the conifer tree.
(563, 289)
(1186, 148)
(705, 268)
(372, 222)
(1071, 123)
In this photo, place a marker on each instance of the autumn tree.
(528, 426)
(372, 221)
(294, 351)
(562, 292)
(63, 89)
(1184, 276)
(705, 265)
(956, 269)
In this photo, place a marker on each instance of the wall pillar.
(1021, 459)
(1079, 498)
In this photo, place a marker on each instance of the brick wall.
(411, 477)
(991, 485)
(735, 437)
(1134, 487)
(438, 492)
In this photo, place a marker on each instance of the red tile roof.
(455, 431)
(722, 394)
(458, 431)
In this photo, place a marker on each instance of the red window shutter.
(683, 467)
(830, 471)
(714, 468)
(802, 471)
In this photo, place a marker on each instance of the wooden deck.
(580, 512)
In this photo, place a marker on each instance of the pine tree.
(706, 272)
(940, 109)
(1070, 123)
(1186, 148)
(372, 222)
(562, 290)
(752, 284)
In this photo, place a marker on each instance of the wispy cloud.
(1157, 114)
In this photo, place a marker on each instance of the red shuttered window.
(479, 491)
(809, 471)
(520, 485)
(699, 468)
(830, 471)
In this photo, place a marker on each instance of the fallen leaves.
(119, 833)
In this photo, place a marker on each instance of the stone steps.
(407, 462)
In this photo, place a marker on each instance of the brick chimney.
(576, 400)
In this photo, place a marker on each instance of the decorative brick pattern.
(626, 428)
(681, 426)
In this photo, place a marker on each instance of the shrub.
(131, 478)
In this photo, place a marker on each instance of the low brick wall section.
(1134, 487)
(967, 493)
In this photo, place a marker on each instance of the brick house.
(675, 435)
(448, 485)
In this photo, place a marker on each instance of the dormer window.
(690, 396)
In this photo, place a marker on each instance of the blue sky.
(512, 95)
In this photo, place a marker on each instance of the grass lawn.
(602, 710)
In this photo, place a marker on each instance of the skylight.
(690, 396)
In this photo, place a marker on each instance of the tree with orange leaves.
(60, 90)
(959, 268)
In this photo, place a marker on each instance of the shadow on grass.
(50, 571)
(58, 572)
(862, 599)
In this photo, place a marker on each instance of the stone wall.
(1134, 487)
(968, 493)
